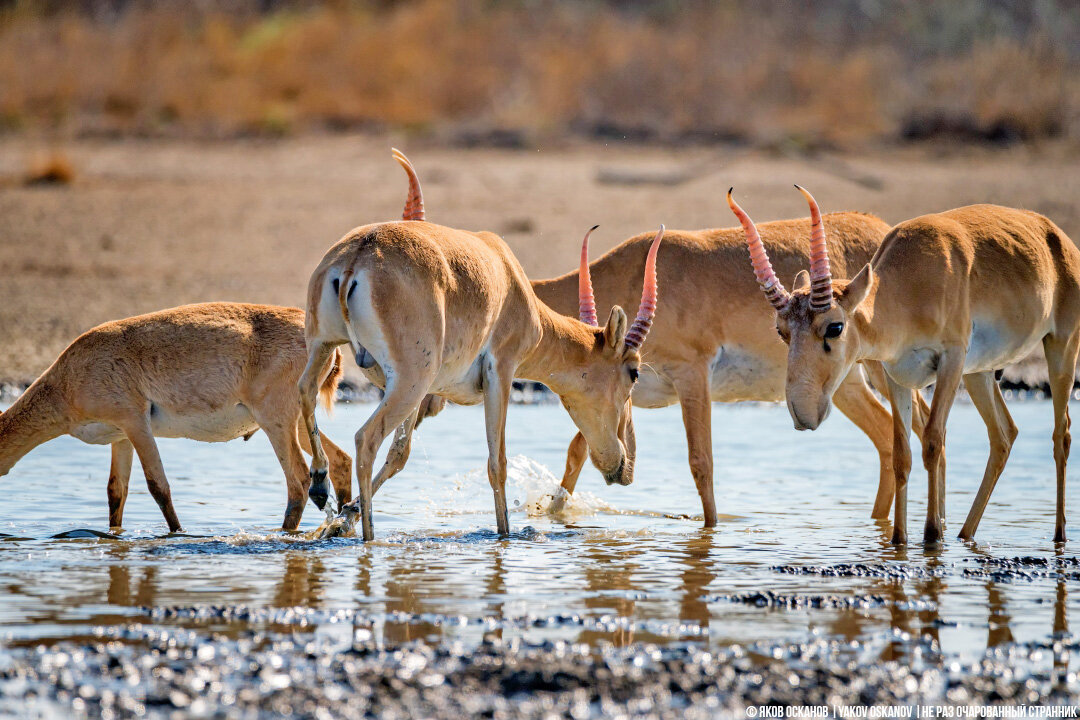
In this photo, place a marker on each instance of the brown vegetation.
(785, 74)
(53, 168)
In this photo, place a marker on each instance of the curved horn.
(635, 336)
(820, 275)
(414, 206)
(763, 271)
(586, 300)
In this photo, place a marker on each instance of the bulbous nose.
(619, 476)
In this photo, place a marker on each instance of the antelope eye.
(834, 330)
(779, 332)
(633, 374)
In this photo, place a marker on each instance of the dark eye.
(779, 332)
(834, 330)
(633, 374)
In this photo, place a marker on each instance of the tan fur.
(212, 372)
(712, 305)
(450, 313)
(948, 297)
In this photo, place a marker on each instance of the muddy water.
(623, 565)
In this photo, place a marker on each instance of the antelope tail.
(328, 389)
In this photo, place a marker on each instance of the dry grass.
(843, 73)
(53, 168)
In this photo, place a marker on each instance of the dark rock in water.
(83, 534)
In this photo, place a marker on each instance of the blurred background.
(154, 152)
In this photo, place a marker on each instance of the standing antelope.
(211, 372)
(947, 297)
(429, 309)
(716, 339)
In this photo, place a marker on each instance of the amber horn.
(774, 290)
(639, 330)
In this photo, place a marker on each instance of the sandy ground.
(151, 224)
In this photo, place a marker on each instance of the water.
(625, 564)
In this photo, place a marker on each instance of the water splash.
(543, 494)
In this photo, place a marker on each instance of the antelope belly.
(218, 425)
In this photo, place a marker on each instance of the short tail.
(328, 391)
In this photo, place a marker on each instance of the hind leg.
(1001, 431)
(403, 395)
(142, 440)
(319, 354)
(1061, 365)
(340, 464)
(119, 474)
(398, 454)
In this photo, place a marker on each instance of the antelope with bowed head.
(717, 341)
(212, 372)
(428, 309)
(948, 297)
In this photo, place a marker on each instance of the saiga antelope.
(716, 340)
(429, 309)
(211, 372)
(952, 296)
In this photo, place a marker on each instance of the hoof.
(558, 503)
(899, 537)
(319, 492)
(1059, 536)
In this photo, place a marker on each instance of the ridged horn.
(635, 336)
(586, 299)
(820, 274)
(414, 206)
(774, 290)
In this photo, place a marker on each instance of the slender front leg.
(900, 401)
(857, 402)
(497, 386)
(318, 357)
(950, 372)
(119, 474)
(692, 388)
(576, 455)
(142, 439)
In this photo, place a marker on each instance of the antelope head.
(598, 393)
(816, 319)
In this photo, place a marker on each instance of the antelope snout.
(619, 476)
(808, 419)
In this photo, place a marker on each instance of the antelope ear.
(857, 290)
(801, 282)
(615, 331)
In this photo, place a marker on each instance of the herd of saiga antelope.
(434, 313)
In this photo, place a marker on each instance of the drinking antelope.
(429, 309)
(952, 296)
(716, 341)
(211, 372)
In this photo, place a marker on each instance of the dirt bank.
(151, 224)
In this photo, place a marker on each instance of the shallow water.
(623, 565)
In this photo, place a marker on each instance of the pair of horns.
(820, 274)
(635, 336)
